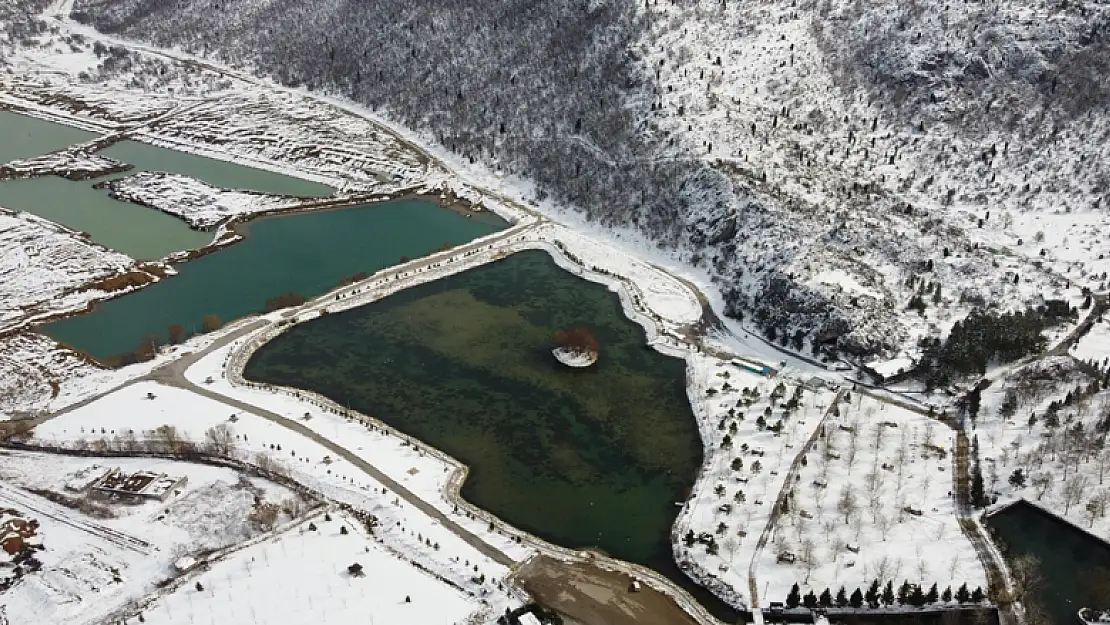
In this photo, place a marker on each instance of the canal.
(596, 457)
(138, 231)
(22, 136)
(305, 253)
(1073, 563)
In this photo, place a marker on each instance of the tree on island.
(578, 340)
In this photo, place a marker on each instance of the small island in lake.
(576, 347)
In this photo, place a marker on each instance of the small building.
(786, 558)
(136, 486)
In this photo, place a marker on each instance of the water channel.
(1070, 559)
(137, 231)
(22, 136)
(582, 458)
(306, 253)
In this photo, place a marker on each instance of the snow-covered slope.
(772, 145)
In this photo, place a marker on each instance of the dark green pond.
(583, 458)
(1070, 558)
(308, 253)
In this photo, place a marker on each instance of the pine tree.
(978, 497)
(842, 598)
(946, 596)
(888, 594)
(856, 600)
(810, 600)
(825, 599)
(872, 595)
(932, 595)
(962, 594)
(977, 595)
(903, 592)
(795, 597)
(917, 598)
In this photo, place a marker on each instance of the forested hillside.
(857, 175)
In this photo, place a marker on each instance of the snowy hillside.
(813, 157)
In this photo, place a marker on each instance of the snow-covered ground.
(1041, 432)
(93, 565)
(1095, 345)
(108, 422)
(43, 266)
(201, 205)
(301, 576)
(746, 465)
(872, 501)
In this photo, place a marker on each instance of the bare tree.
(169, 439)
(1026, 574)
(808, 556)
(846, 505)
(219, 440)
(882, 523)
(1102, 461)
(1042, 482)
(1073, 491)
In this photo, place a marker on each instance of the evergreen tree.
(916, 598)
(932, 595)
(978, 496)
(872, 595)
(962, 594)
(825, 600)
(977, 595)
(1017, 478)
(904, 592)
(810, 600)
(946, 596)
(856, 600)
(842, 598)
(795, 597)
(888, 594)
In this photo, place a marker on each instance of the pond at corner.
(1073, 563)
(594, 457)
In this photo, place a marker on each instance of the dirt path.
(593, 596)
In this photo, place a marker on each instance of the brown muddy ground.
(591, 596)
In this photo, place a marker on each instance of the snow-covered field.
(42, 266)
(746, 465)
(114, 417)
(1041, 433)
(301, 576)
(872, 501)
(92, 566)
(201, 205)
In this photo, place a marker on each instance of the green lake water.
(140, 232)
(22, 136)
(306, 253)
(593, 457)
(1069, 558)
(215, 172)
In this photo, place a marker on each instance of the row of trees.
(986, 336)
(150, 343)
(876, 596)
